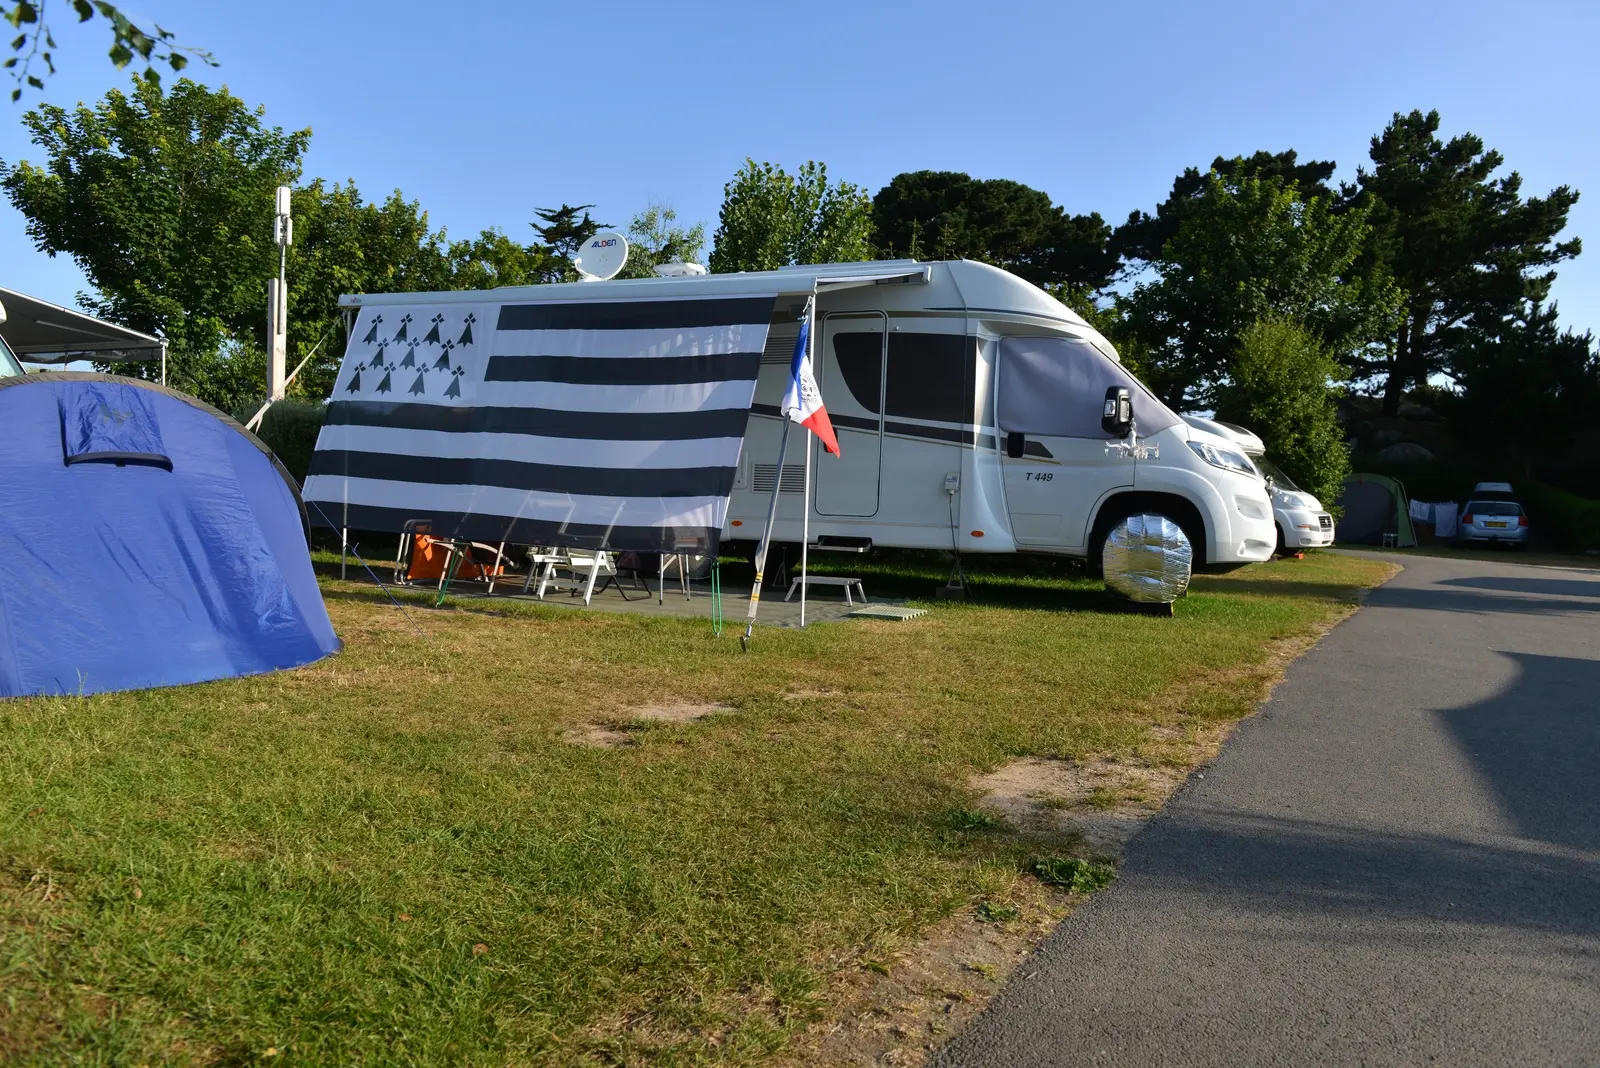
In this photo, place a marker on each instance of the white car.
(1493, 515)
(1301, 520)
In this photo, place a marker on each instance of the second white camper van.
(972, 411)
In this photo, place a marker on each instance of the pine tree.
(1466, 248)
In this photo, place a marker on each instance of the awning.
(41, 332)
(797, 281)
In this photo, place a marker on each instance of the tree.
(165, 201)
(1535, 388)
(1249, 248)
(655, 238)
(946, 214)
(1143, 236)
(772, 219)
(564, 233)
(128, 41)
(492, 260)
(1465, 247)
(1282, 386)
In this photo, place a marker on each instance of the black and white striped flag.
(599, 424)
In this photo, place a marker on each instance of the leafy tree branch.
(35, 44)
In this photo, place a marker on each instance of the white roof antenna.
(603, 256)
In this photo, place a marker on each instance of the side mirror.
(1015, 445)
(1117, 417)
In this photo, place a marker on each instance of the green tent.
(1375, 512)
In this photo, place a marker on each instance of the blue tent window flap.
(109, 422)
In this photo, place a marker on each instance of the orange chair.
(425, 558)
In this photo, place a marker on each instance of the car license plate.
(1502, 526)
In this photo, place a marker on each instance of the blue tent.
(146, 539)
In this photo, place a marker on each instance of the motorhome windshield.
(1274, 472)
(1057, 386)
(8, 361)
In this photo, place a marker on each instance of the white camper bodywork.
(919, 397)
(940, 344)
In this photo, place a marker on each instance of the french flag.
(802, 402)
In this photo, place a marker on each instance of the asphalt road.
(1397, 862)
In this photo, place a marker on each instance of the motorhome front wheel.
(1148, 559)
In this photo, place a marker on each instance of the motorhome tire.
(1116, 513)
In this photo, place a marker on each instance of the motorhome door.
(1050, 393)
(853, 358)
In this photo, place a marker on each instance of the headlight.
(1292, 500)
(1227, 459)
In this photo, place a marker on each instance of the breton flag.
(802, 402)
(608, 424)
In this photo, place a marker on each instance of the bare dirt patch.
(613, 732)
(597, 736)
(675, 711)
(1104, 800)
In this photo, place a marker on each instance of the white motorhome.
(1301, 520)
(972, 411)
(969, 408)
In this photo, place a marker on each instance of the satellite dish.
(602, 256)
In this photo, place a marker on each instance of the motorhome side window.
(1056, 387)
(930, 375)
(860, 359)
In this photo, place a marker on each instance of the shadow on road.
(1438, 598)
(1538, 744)
(1542, 587)
(1374, 884)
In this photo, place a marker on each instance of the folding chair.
(594, 563)
(544, 562)
(488, 561)
(408, 538)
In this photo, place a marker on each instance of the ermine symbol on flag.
(802, 402)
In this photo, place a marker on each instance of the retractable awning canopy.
(801, 280)
(41, 332)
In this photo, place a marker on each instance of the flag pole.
(805, 530)
(766, 540)
(805, 497)
(799, 369)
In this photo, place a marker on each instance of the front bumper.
(1305, 529)
(1253, 539)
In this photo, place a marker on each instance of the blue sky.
(483, 111)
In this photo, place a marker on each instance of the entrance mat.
(887, 611)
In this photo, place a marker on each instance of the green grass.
(395, 857)
(1073, 874)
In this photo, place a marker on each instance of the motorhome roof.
(968, 285)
